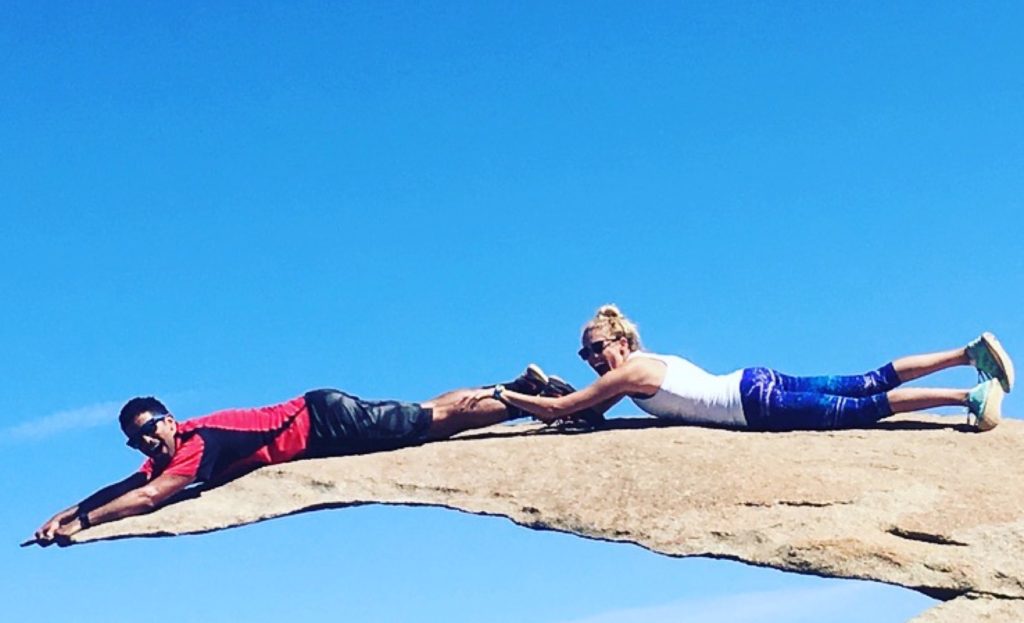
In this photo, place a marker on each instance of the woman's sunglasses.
(148, 430)
(594, 348)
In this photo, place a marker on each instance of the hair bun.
(609, 311)
(615, 325)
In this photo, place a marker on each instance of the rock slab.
(920, 502)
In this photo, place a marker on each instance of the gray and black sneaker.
(532, 382)
(555, 387)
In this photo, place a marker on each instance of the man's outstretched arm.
(101, 497)
(131, 496)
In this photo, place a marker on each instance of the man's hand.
(63, 535)
(61, 527)
(58, 530)
(47, 531)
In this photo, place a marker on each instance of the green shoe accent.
(985, 403)
(991, 360)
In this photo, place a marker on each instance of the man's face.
(153, 435)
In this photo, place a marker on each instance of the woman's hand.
(472, 398)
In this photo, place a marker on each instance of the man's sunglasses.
(594, 348)
(148, 429)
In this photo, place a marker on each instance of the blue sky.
(227, 205)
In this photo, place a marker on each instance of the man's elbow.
(149, 499)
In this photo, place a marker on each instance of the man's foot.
(991, 360)
(556, 387)
(985, 403)
(541, 384)
(532, 382)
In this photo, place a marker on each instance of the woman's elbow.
(559, 409)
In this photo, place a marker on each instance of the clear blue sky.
(227, 205)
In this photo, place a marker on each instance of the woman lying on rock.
(763, 399)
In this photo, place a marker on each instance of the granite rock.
(920, 501)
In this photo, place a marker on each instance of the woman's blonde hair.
(615, 324)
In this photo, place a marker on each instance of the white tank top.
(694, 395)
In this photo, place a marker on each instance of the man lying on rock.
(326, 422)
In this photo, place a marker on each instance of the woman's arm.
(633, 377)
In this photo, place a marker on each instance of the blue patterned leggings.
(775, 401)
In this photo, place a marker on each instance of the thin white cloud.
(62, 421)
(790, 605)
(79, 418)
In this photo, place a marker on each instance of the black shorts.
(344, 424)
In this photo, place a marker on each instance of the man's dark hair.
(138, 405)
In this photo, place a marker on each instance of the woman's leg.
(908, 399)
(783, 410)
(984, 402)
(985, 353)
(777, 410)
(916, 366)
(856, 386)
(886, 378)
(768, 406)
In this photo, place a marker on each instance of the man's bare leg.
(453, 413)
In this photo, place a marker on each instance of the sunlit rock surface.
(920, 502)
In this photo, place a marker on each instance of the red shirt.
(230, 442)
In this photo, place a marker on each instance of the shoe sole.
(536, 375)
(992, 411)
(558, 387)
(1002, 360)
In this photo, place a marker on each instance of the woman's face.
(601, 351)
